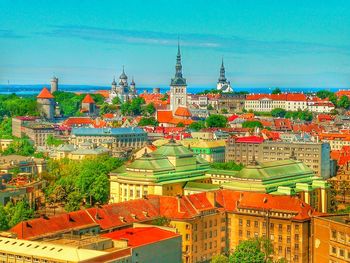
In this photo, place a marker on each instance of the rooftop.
(45, 94)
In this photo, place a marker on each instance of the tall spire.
(222, 77)
(178, 79)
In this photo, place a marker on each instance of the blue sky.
(265, 43)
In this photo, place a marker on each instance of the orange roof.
(282, 97)
(164, 116)
(88, 99)
(104, 93)
(183, 111)
(77, 121)
(141, 236)
(45, 94)
(108, 116)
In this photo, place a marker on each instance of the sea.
(30, 90)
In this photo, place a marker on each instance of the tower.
(114, 85)
(54, 84)
(178, 86)
(132, 87)
(46, 104)
(223, 84)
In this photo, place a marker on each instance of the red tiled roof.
(88, 99)
(295, 97)
(164, 116)
(72, 121)
(250, 139)
(141, 236)
(104, 93)
(232, 117)
(281, 97)
(283, 124)
(45, 94)
(183, 112)
(325, 117)
(108, 116)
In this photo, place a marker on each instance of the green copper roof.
(201, 186)
(173, 149)
(154, 163)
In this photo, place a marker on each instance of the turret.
(46, 104)
(54, 84)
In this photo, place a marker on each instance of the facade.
(231, 102)
(178, 86)
(88, 105)
(211, 151)
(18, 124)
(38, 132)
(23, 164)
(122, 89)
(286, 177)
(209, 223)
(46, 104)
(4, 144)
(117, 140)
(165, 171)
(84, 150)
(331, 239)
(314, 154)
(287, 101)
(223, 84)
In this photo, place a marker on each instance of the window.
(279, 227)
(288, 228)
(248, 234)
(333, 250)
(248, 222)
(240, 233)
(279, 238)
(341, 252)
(240, 222)
(256, 224)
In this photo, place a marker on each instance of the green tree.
(149, 109)
(344, 102)
(278, 112)
(106, 108)
(165, 97)
(215, 120)
(180, 124)
(20, 146)
(52, 141)
(210, 107)
(227, 166)
(74, 201)
(224, 111)
(277, 91)
(148, 121)
(161, 221)
(219, 259)
(197, 125)
(18, 213)
(6, 128)
(252, 124)
(116, 101)
(4, 222)
(322, 94)
(248, 251)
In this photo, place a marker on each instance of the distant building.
(118, 140)
(18, 124)
(88, 105)
(54, 84)
(231, 102)
(122, 89)
(331, 238)
(38, 132)
(46, 104)
(223, 84)
(84, 150)
(165, 171)
(211, 151)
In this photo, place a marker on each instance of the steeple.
(222, 77)
(178, 80)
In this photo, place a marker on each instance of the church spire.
(178, 80)
(222, 77)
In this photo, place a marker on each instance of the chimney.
(178, 197)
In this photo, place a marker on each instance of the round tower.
(46, 104)
(54, 84)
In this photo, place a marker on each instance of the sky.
(264, 43)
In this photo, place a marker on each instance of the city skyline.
(276, 44)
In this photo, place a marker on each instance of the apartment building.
(331, 239)
(316, 155)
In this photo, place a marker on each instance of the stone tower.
(46, 104)
(178, 86)
(223, 84)
(54, 84)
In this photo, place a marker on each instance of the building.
(123, 90)
(231, 102)
(118, 140)
(286, 177)
(314, 154)
(331, 239)
(54, 84)
(4, 144)
(74, 152)
(243, 149)
(88, 105)
(209, 223)
(150, 244)
(23, 164)
(46, 104)
(287, 101)
(178, 86)
(211, 151)
(165, 171)
(38, 132)
(223, 84)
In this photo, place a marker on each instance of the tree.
(106, 108)
(219, 259)
(116, 101)
(180, 124)
(196, 126)
(210, 107)
(149, 109)
(74, 201)
(252, 124)
(215, 120)
(21, 147)
(278, 112)
(151, 121)
(224, 111)
(52, 141)
(248, 251)
(18, 213)
(322, 94)
(344, 102)
(277, 91)
(6, 128)
(227, 166)
(161, 221)
(4, 223)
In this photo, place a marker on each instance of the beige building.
(211, 151)
(39, 132)
(316, 155)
